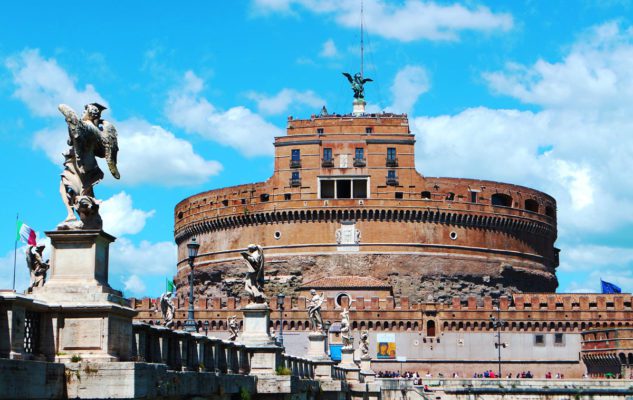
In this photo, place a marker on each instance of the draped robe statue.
(314, 311)
(37, 266)
(254, 279)
(167, 308)
(89, 138)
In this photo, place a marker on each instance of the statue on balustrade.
(254, 279)
(364, 343)
(314, 311)
(89, 138)
(346, 332)
(233, 326)
(167, 309)
(38, 268)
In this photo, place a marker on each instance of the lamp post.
(192, 248)
(280, 306)
(326, 328)
(497, 323)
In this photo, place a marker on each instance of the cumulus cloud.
(329, 50)
(134, 285)
(410, 21)
(144, 258)
(120, 217)
(582, 167)
(284, 100)
(596, 73)
(41, 84)
(410, 82)
(173, 161)
(237, 127)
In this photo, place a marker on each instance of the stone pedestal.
(366, 373)
(358, 107)
(265, 355)
(92, 320)
(347, 364)
(256, 326)
(316, 353)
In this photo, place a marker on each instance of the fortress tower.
(345, 199)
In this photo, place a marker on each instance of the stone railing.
(185, 351)
(22, 328)
(298, 366)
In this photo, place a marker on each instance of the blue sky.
(537, 93)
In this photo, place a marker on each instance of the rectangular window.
(287, 196)
(369, 130)
(360, 188)
(473, 197)
(264, 197)
(327, 154)
(320, 131)
(296, 154)
(399, 195)
(360, 153)
(295, 175)
(559, 339)
(539, 340)
(391, 174)
(343, 189)
(327, 189)
(391, 153)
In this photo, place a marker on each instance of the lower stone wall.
(20, 379)
(418, 276)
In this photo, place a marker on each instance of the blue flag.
(609, 287)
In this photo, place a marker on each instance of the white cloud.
(589, 257)
(42, 84)
(588, 147)
(413, 20)
(133, 285)
(120, 217)
(329, 50)
(238, 127)
(284, 100)
(596, 73)
(410, 82)
(145, 258)
(147, 154)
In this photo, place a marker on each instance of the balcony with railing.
(295, 182)
(392, 162)
(360, 162)
(327, 163)
(295, 163)
(392, 181)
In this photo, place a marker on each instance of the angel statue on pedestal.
(89, 138)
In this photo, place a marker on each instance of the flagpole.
(15, 248)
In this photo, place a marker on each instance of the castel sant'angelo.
(346, 199)
(435, 269)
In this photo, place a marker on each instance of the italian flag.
(26, 234)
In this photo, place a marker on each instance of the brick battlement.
(522, 312)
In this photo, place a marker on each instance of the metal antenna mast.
(362, 43)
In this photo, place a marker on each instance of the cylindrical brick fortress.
(345, 199)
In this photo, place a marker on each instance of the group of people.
(417, 379)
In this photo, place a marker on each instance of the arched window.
(531, 205)
(549, 211)
(340, 300)
(426, 195)
(501, 199)
(430, 328)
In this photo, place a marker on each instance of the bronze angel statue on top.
(358, 84)
(89, 138)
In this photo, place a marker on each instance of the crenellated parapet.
(530, 313)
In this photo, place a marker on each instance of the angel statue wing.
(366, 80)
(111, 146)
(349, 77)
